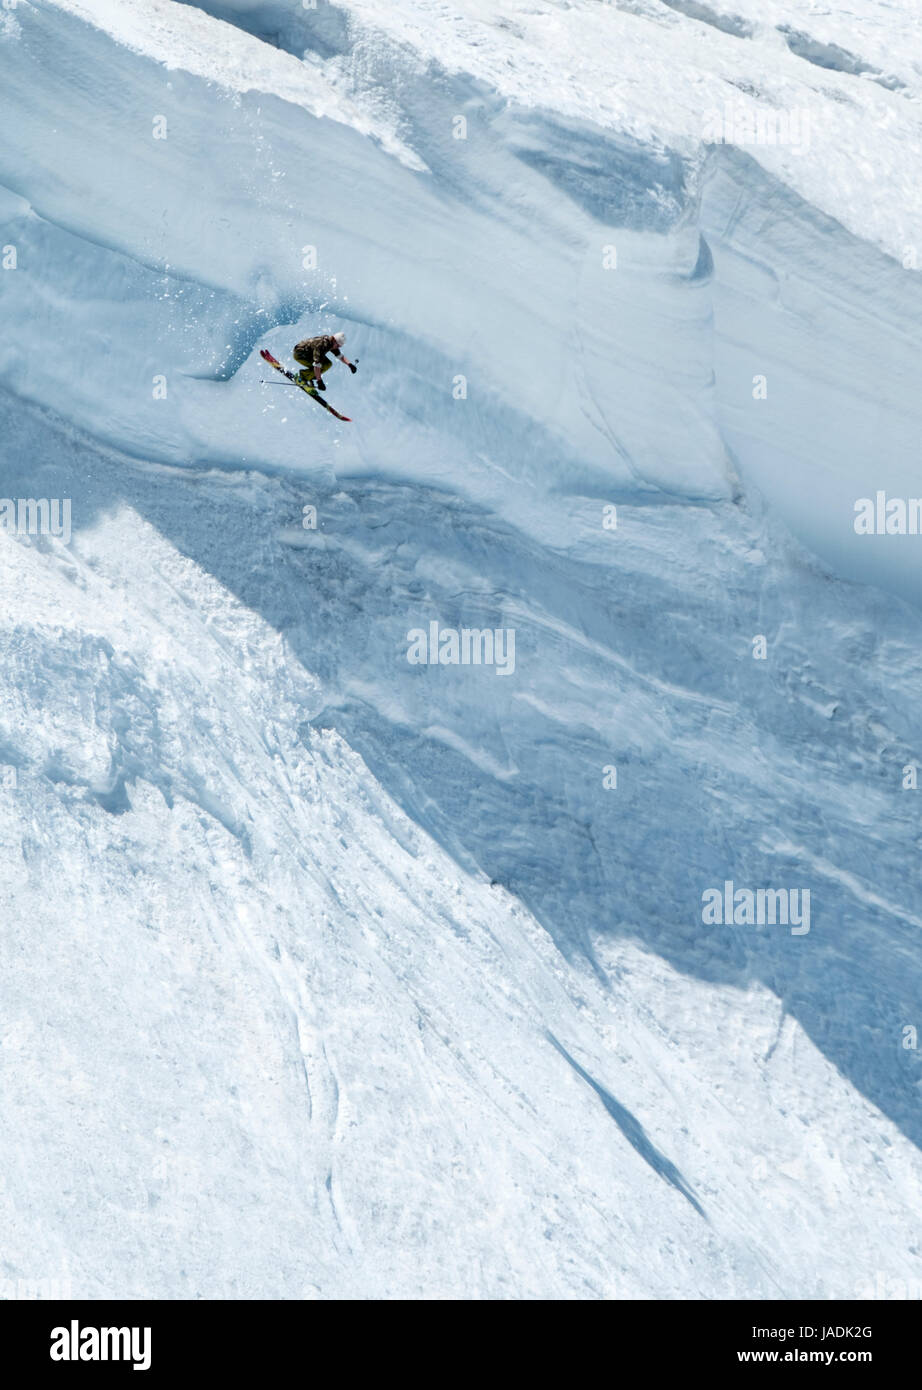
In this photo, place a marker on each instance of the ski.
(308, 390)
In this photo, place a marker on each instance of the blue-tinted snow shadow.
(634, 1132)
(506, 774)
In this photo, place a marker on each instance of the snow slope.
(331, 975)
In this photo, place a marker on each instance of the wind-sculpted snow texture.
(328, 973)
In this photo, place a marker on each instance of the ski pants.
(307, 366)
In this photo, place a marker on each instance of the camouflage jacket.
(312, 351)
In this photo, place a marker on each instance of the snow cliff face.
(329, 973)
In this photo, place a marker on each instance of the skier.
(312, 353)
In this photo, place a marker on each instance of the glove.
(352, 367)
(320, 383)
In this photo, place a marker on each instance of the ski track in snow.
(330, 976)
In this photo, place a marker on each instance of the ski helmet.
(339, 338)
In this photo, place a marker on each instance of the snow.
(157, 30)
(329, 975)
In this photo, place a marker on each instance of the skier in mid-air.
(312, 354)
